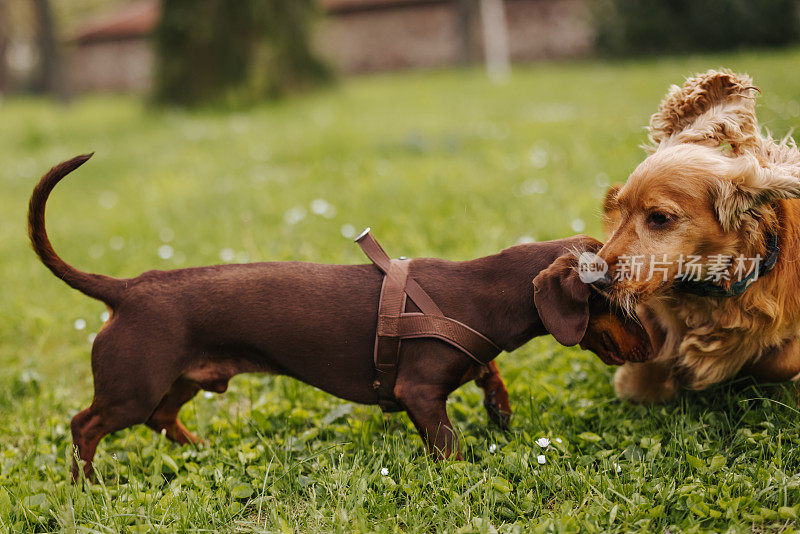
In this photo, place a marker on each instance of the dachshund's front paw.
(497, 415)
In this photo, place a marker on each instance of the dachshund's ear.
(749, 185)
(562, 300)
(715, 109)
(611, 214)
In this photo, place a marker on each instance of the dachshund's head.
(574, 313)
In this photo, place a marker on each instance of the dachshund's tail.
(98, 286)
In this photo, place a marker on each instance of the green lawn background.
(439, 164)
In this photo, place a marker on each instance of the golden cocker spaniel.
(703, 243)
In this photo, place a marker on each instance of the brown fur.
(174, 333)
(725, 187)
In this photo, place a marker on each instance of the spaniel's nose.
(603, 283)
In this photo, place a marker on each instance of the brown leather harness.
(395, 324)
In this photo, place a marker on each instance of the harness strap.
(395, 324)
(387, 344)
(471, 342)
(375, 252)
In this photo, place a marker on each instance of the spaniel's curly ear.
(562, 300)
(715, 109)
(611, 213)
(750, 185)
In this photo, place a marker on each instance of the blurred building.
(113, 52)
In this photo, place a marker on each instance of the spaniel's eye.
(658, 219)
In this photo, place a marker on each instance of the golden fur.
(722, 187)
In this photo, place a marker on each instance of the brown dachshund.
(173, 333)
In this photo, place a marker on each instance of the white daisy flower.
(107, 199)
(578, 225)
(538, 157)
(166, 234)
(384, 472)
(533, 187)
(541, 459)
(96, 251)
(617, 467)
(320, 206)
(294, 215)
(116, 243)
(543, 442)
(493, 448)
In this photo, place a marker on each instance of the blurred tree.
(287, 61)
(208, 50)
(203, 47)
(5, 75)
(466, 15)
(627, 27)
(50, 76)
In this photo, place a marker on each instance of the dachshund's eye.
(658, 219)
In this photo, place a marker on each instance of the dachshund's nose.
(603, 282)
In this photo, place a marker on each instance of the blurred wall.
(425, 34)
(113, 52)
(112, 66)
(369, 40)
(549, 29)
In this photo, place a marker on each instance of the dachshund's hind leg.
(133, 370)
(165, 416)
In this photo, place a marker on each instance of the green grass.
(441, 164)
